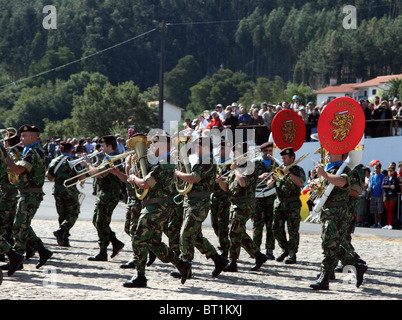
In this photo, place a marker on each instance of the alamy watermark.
(350, 20)
(50, 21)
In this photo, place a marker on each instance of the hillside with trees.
(97, 70)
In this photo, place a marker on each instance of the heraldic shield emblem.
(288, 130)
(341, 125)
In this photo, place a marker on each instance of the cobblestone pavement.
(68, 275)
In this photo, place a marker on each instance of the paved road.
(47, 211)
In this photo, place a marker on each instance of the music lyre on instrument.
(12, 152)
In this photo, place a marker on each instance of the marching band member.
(31, 170)
(287, 207)
(241, 183)
(15, 259)
(154, 214)
(196, 207)
(108, 198)
(264, 209)
(334, 222)
(220, 204)
(66, 199)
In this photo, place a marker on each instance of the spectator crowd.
(383, 117)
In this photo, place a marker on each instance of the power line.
(78, 60)
(202, 22)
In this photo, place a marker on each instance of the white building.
(171, 115)
(363, 90)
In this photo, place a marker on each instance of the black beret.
(28, 128)
(287, 151)
(107, 139)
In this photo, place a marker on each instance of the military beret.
(28, 128)
(267, 145)
(13, 140)
(66, 145)
(287, 151)
(107, 139)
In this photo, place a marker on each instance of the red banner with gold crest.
(288, 130)
(341, 125)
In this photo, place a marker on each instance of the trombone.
(102, 168)
(245, 156)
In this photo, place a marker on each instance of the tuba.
(12, 152)
(341, 130)
(182, 164)
(139, 143)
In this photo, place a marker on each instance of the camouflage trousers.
(173, 226)
(24, 235)
(219, 213)
(289, 213)
(68, 209)
(195, 212)
(104, 206)
(350, 229)
(334, 223)
(133, 212)
(239, 215)
(148, 236)
(8, 208)
(264, 216)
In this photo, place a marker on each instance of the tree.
(180, 79)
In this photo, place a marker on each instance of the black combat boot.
(360, 271)
(322, 282)
(128, 265)
(260, 259)
(117, 246)
(14, 260)
(282, 256)
(184, 268)
(291, 258)
(270, 254)
(59, 234)
(101, 256)
(140, 281)
(220, 263)
(151, 258)
(44, 255)
(231, 267)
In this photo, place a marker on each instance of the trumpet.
(94, 158)
(247, 156)
(102, 168)
(280, 173)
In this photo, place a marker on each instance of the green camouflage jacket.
(34, 162)
(63, 173)
(250, 173)
(285, 188)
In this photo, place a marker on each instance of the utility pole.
(161, 72)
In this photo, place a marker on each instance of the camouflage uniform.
(154, 216)
(219, 213)
(108, 198)
(8, 207)
(196, 207)
(287, 207)
(241, 209)
(30, 196)
(173, 225)
(4, 215)
(334, 223)
(356, 183)
(67, 199)
(264, 211)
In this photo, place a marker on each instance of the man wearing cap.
(196, 206)
(15, 259)
(241, 184)
(264, 209)
(221, 112)
(31, 171)
(108, 198)
(287, 207)
(67, 199)
(220, 203)
(155, 213)
(334, 223)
